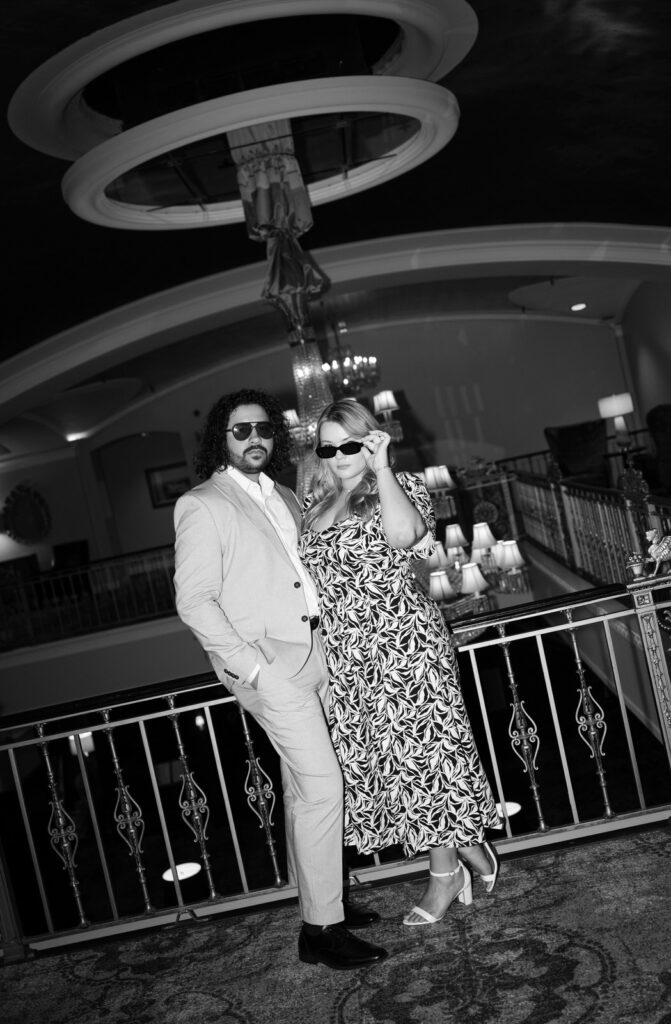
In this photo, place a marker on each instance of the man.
(243, 592)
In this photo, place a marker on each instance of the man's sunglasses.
(328, 451)
(241, 431)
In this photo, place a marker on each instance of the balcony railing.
(570, 702)
(100, 595)
(591, 530)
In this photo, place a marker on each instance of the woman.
(398, 723)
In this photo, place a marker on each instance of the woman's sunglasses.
(241, 431)
(328, 451)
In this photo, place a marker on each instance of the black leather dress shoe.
(337, 948)
(358, 916)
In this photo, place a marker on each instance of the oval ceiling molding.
(435, 110)
(48, 113)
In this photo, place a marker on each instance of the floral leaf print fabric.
(397, 718)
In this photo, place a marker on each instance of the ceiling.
(565, 112)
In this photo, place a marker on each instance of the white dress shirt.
(275, 509)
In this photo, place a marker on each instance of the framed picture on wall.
(166, 483)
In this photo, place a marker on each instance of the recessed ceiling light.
(578, 306)
(187, 870)
(511, 808)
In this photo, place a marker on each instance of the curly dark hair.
(213, 451)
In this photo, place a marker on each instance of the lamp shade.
(508, 555)
(437, 559)
(291, 416)
(440, 586)
(437, 477)
(384, 401)
(454, 536)
(482, 536)
(472, 580)
(615, 405)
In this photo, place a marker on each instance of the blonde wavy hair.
(356, 421)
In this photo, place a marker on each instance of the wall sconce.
(385, 405)
(616, 407)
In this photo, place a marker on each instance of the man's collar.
(265, 484)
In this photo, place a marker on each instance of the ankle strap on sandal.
(445, 874)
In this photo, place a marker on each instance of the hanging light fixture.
(312, 396)
(348, 375)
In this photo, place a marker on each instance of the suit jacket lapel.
(249, 508)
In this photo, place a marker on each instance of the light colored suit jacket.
(236, 587)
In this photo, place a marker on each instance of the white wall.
(135, 523)
(647, 336)
(477, 386)
(56, 477)
(99, 664)
(472, 386)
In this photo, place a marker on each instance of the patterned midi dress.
(397, 718)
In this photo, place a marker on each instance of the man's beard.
(244, 465)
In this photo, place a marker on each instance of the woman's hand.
(376, 449)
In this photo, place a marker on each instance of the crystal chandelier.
(349, 375)
(312, 396)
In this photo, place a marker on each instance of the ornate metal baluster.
(128, 817)
(523, 733)
(591, 720)
(62, 830)
(260, 796)
(653, 645)
(193, 801)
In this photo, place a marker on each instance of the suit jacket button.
(297, 584)
(304, 618)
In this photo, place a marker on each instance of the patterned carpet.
(573, 935)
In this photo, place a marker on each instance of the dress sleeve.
(421, 499)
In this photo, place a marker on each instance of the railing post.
(642, 593)
(523, 732)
